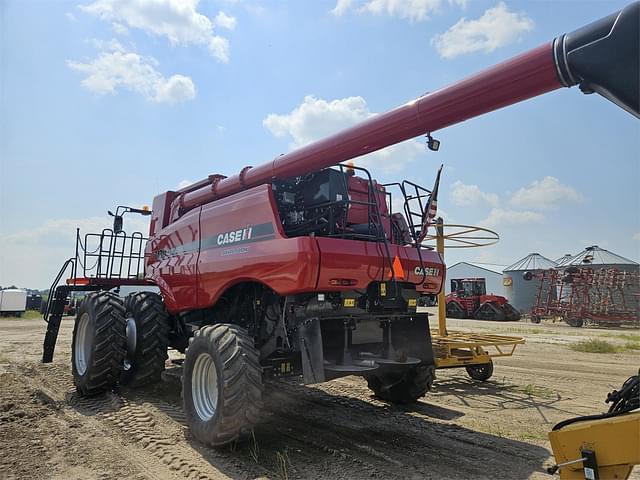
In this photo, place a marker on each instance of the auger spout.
(601, 57)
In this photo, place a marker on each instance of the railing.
(109, 255)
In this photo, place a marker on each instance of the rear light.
(342, 282)
(77, 281)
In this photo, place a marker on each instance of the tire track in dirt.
(137, 425)
(383, 439)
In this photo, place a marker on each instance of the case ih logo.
(429, 271)
(248, 234)
(234, 236)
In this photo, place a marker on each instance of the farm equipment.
(469, 299)
(600, 446)
(300, 267)
(579, 295)
(456, 349)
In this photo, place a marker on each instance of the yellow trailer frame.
(460, 349)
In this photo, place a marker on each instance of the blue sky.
(106, 102)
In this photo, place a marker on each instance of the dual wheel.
(126, 342)
(118, 342)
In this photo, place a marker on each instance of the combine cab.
(469, 299)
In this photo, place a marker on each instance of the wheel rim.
(204, 386)
(132, 340)
(82, 344)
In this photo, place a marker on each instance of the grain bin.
(521, 292)
(563, 259)
(597, 258)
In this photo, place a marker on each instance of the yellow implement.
(457, 349)
(460, 349)
(598, 447)
(604, 448)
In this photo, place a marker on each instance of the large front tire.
(147, 328)
(221, 384)
(406, 387)
(99, 343)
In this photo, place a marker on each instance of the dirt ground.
(460, 430)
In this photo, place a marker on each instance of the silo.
(598, 258)
(563, 259)
(521, 292)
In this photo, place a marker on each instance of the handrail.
(54, 285)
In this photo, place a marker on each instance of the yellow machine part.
(615, 441)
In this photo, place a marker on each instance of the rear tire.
(574, 322)
(99, 343)
(481, 372)
(222, 384)
(147, 328)
(406, 387)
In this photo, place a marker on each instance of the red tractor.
(469, 299)
(299, 266)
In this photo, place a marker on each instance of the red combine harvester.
(299, 267)
(469, 299)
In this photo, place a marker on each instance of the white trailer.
(13, 302)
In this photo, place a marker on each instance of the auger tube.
(601, 57)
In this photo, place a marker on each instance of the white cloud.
(177, 20)
(225, 21)
(502, 217)
(460, 3)
(637, 236)
(184, 183)
(70, 16)
(496, 28)
(545, 194)
(119, 28)
(116, 68)
(316, 118)
(342, 7)
(413, 10)
(470, 195)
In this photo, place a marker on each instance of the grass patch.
(595, 345)
(632, 345)
(624, 336)
(28, 315)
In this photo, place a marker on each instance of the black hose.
(624, 401)
(627, 399)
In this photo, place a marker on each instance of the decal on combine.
(428, 272)
(231, 238)
(234, 251)
(248, 234)
(234, 236)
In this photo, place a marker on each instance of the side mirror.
(117, 223)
